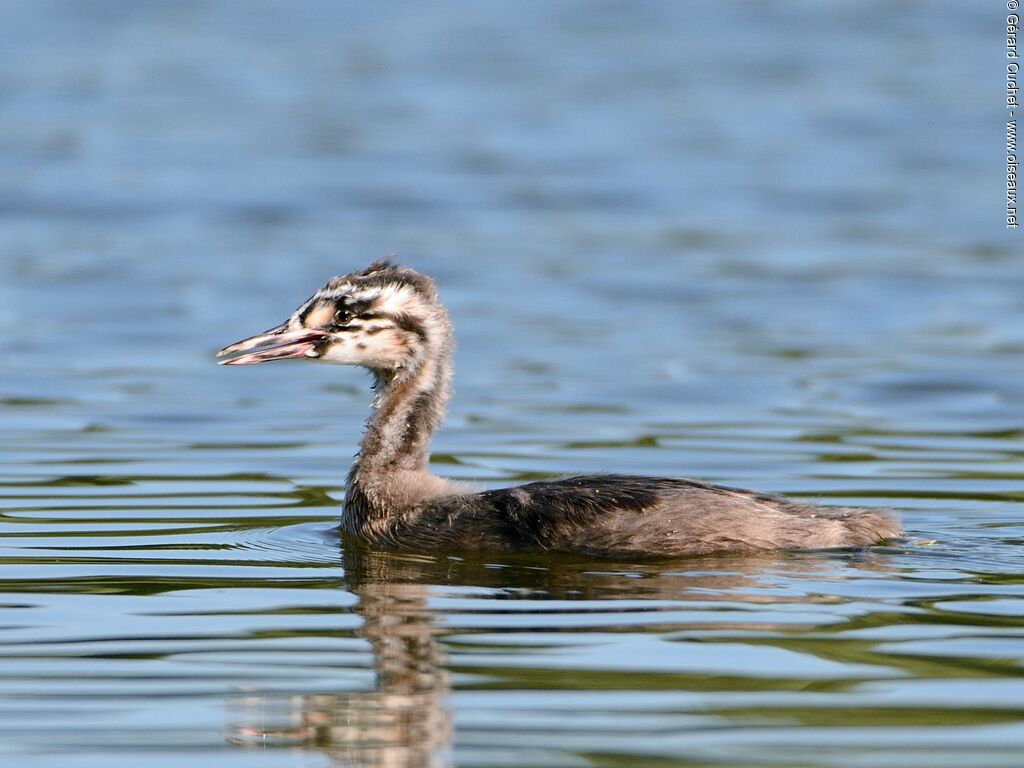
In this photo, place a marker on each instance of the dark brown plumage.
(391, 321)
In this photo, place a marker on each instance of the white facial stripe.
(390, 299)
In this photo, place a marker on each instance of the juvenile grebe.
(390, 320)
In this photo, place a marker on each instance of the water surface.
(760, 246)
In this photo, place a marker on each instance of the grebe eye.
(342, 316)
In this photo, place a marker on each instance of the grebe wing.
(651, 516)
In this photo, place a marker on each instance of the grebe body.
(390, 320)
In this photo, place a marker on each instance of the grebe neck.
(391, 472)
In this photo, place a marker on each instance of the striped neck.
(407, 411)
(394, 453)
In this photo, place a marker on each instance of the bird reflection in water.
(406, 721)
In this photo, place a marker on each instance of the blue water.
(762, 245)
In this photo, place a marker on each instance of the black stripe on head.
(306, 307)
(410, 324)
(356, 307)
(380, 274)
(385, 272)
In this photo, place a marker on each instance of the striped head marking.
(385, 318)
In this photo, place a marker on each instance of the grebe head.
(386, 318)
